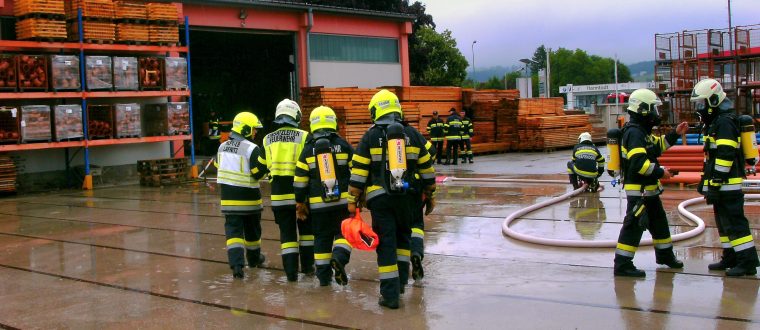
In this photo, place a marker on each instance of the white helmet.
(643, 102)
(288, 112)
(710, 91)
(585, 136)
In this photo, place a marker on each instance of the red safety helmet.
(358, 233)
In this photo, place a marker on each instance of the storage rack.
(731, 57)
(84, 95)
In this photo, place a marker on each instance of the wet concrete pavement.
(130, 256)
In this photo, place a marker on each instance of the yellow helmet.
(244, 123)
(384, 102)
(710, 91)
(323, 117)
(643, 102)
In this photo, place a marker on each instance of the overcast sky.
(508, 30)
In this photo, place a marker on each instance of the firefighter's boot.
(747, 263)
(624, 267)
(668, 258)
(728, 260)
(290, 263)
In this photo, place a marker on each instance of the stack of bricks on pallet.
(97, 20)
(42, 20)
(158, 172)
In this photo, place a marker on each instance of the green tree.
(445, 63)
(578, 68)
(492, 83)
(539, 59)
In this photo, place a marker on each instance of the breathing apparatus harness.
(325, 159)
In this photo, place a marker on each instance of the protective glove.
(302, 211)
(355, 199)
(428, 197)
(713, 190)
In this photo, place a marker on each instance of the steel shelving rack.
(84, 95)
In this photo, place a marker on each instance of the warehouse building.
(246, 55)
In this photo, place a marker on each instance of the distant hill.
(483, 74)
(642, 71)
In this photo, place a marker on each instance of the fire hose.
(506, 230)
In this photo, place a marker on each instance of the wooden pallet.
(128, 32)
(23, 8)
(7, 174)
(32, 28)
(95, 9)
(130, 10)
(162, 12)
(157, 172)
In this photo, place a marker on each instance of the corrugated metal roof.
(293, 5)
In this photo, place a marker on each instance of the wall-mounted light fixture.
(243, 15)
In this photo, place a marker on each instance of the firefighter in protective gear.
(241, 164)
(383, 166)
(723, 174)
(587, 163)
(467, 133)
(283, 147)
(453, 130)
(642, 173)
(435, 129)
(321, 187)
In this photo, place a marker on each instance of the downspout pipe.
(310, 23)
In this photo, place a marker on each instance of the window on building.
(326, 47)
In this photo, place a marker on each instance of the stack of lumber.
(349, 103)
(494, 116)
(470, 96)
(419, 102)
(543, 124)
(7, 174)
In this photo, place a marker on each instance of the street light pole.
(472, 47)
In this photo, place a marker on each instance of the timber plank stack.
(502, 121)
(544, 125)
(349, 103)
(419, 102)
(7, 175)
(494, 117)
